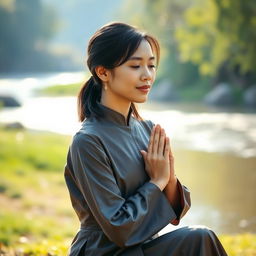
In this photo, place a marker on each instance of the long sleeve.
(125, 221)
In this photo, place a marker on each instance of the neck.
(121, 106)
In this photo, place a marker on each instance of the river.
(215, 149)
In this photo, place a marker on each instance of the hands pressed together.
(159, 160)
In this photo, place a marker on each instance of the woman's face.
(132, 81)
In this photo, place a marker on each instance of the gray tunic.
(120, 211)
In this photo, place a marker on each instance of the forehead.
(144, 50)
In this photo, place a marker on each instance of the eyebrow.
(140, 58)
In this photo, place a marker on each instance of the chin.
(140, 100)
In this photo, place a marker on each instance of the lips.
(143, 87)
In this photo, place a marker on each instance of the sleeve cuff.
(185, 202)
(165, 210)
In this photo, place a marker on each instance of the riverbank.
(59, 90)
(32, 184)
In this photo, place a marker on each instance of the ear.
(103, 73)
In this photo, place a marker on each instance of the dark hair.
(110, 47)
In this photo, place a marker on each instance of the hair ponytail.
(87, 99)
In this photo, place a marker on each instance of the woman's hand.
(157, 159)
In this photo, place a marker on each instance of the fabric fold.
(125, 221)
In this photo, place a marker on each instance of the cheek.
(128, 76)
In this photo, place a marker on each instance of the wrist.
(173, 179)
(160, 183)
(171, 185)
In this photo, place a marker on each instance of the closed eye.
(150, 66)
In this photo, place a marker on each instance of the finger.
(151, 139)
(167, 147)
(161, 142)
(170, 148)
(156, 139)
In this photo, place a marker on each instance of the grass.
(24, 151)
(60, 90)
(36, 217)
(35, 205)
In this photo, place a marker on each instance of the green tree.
(25, 27)
(219, 36)
(237, 20)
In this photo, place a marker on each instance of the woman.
(120, 168)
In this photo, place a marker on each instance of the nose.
(146, 74)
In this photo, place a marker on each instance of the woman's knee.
(200, 232)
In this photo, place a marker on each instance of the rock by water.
(221, 95)
(249, 97)
(164, 91)
(8, 101)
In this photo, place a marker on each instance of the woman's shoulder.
(148, 124)
(85, 133)
(83, 137)
(88, 130)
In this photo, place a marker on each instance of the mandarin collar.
(114, 116)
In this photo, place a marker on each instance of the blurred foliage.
(25, 28)
(220, 34)
(239, 245)
(60, 90)
(48, 35)
(201, 39)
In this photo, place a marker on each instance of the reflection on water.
(222, 187)
(212, 132)
(55, 114)
(215, 154)
(21, 86)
